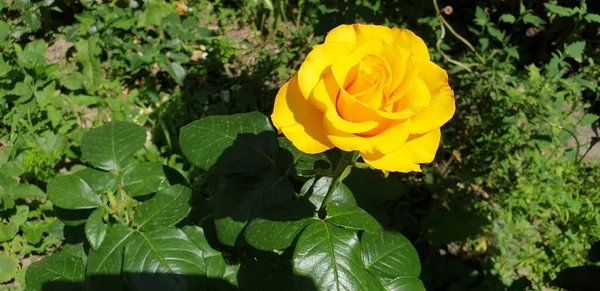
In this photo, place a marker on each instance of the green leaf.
(316, 189)
(575, 50)
(166, 208)
(297, 163)
(86, 55)
(588, 119)
(34, 230)
(123, 23)
(560, 10)
(144, 178)
(95, 228)
(4, 30)
(113, 145)
(496, 33)
(280, 225)
(32, 20)
(244, 198)
(230, 144)
(389, 254)
(8, 186)
(176, 71)
(353, 218)
(73, 81)
(10, 229)
(330, 256)
(108, 259)
(34, 53)
(590, 17)
(216, 267)
(99, 181)
(66, 267)
(149, 256)
(532, 19)
(71, 192)
(508, 18)
(154, 12)
(481, 18)
(403, 284)
(8, 268)
(28, 191)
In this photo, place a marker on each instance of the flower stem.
(342, 170)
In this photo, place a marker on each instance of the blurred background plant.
(511, 200)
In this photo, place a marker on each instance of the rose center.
(371, 74)
(371, 69)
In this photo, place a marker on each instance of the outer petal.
(417, 149)
(316, 62)
(358, 33)
(342, 33)
(389, 140)
(442, 106)
(410, 41)
(299, 121)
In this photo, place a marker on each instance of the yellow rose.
(371, 89)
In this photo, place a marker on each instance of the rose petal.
(441, 107)
(323, 97)
(321, 57)
(417, 149)
(358, 33)
(299, 121)
(408, 40)
(387, 141)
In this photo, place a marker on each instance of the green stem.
(342, 170)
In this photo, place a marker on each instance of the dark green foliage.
(136, 151)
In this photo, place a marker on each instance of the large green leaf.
(280, 225)
(316, 189)
(91, 71)
(407, 283)
(297, 163)
(95, 228)
(354, 218)
(166, 208)
(145, 178)
(65, 268)
(108, 259)
(390, 255)
(330, 256)
(371, 190)
(245, 198)
(71, 192)
(230, 144)
(99, 181)
(216, 267)
(113, 145)
(72, 217)
(8, 268)
(164, 259)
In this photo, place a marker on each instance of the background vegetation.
(511, 201)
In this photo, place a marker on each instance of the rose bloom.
(371, 89)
